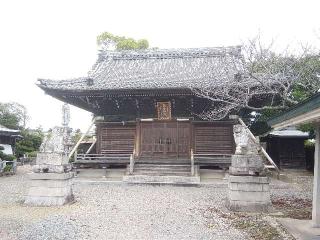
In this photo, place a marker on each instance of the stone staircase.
(162, 169)
(162, 174)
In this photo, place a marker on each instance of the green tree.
(107, 39)
(13, 115)
(76, 135)
(31, 141)
(308, 83)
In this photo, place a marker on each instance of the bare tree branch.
(257, 79)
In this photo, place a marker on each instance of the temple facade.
(146, 108)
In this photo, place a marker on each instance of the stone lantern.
(51, 177)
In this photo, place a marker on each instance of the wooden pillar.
(316, 181)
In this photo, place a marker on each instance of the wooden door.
(171, 139)
(159, 140)
(165, 139)
(147, 140)
(184, 139)
(291, 153)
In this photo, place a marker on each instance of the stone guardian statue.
(249, 189)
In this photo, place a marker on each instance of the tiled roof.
(154, 69)
(5, 129)
(289, 132)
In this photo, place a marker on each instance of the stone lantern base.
(249, 194)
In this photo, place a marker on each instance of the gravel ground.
(120, 211)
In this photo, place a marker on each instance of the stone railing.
(261, 149)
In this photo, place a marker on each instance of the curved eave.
(83, 98)
(119, 92)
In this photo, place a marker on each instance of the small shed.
(8, 138)
(286, 147)
(306, 112)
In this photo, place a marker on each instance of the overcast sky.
(57, 39)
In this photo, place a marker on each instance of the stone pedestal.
(248, 186)
(249, 189)
(249, 194)
(51, 181)
(50, 189)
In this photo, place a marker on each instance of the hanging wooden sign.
(164, 110)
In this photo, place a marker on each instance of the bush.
(30, 143)
(7, 168)
(32, 154)
(309, 144)
(9, 158)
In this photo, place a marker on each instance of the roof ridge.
(170, 53)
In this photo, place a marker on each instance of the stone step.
(162, 170)
(178, 169)
(151, 179)
(161, 164)
(163, 167)
(155, 166)
(162, 173)
(162, 161)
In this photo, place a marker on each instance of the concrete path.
(301, 229)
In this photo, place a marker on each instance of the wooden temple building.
(146, 110)
(286, 147)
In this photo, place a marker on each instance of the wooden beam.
(262, 149)
(82, 137)
(92, 145)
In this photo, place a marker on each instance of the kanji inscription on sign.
(164, 110)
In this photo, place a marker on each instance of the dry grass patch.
(255, 226)
(296, 208)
